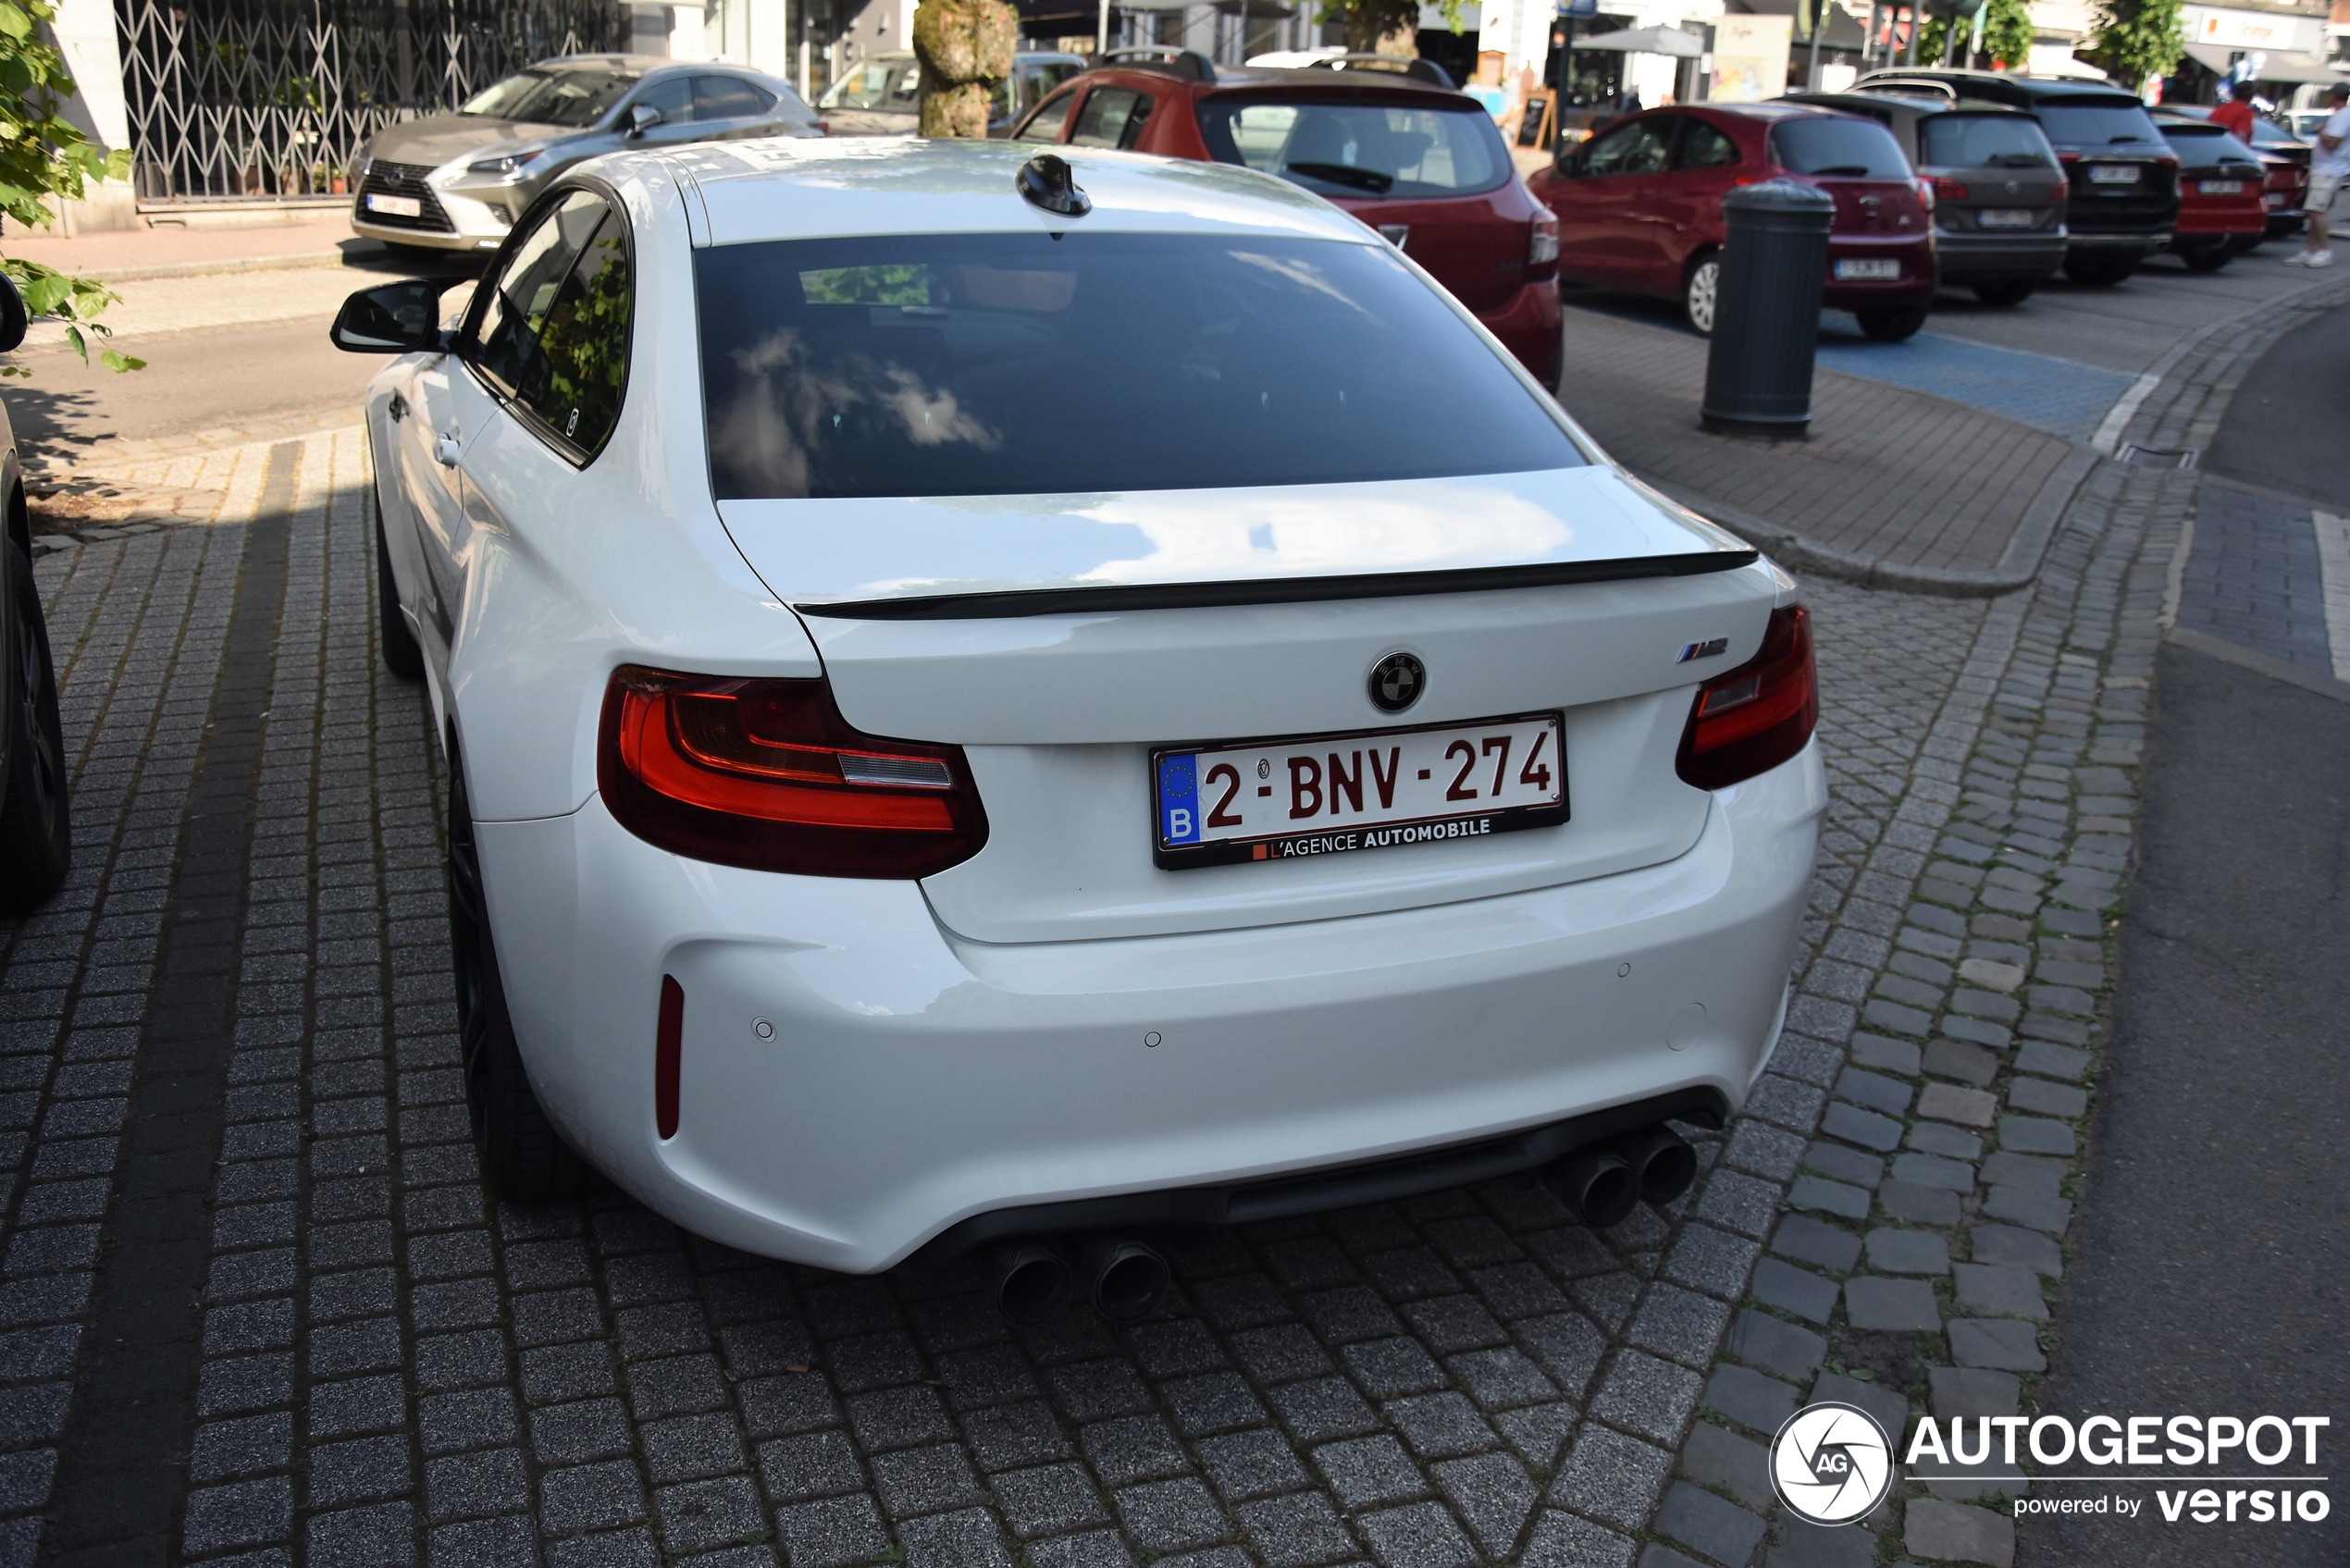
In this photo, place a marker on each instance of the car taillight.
(766, 774)
(2061, 191)
(1754, 717)
(1944, 186)
(1544, 247)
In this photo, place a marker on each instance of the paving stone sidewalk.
(383, 1368)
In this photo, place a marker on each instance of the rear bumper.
(1919, 275)
(2133, 242)
(1529, 326)
(908, 1081)
(1999, 258)
(2206, 227)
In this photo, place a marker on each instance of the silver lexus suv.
(457, 181)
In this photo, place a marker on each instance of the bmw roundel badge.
(1397, 682)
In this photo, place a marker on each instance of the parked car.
(881, 96)
(1026, 704)
(2284, 163)
(2221, 189)
(1998, 193)
(2122, 205)
(36, 838)
(457, 181)
(1639, 206)
(1419, 162)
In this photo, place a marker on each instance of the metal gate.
(246, 99)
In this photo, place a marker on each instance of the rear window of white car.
(1342, 149)
(1025, 363)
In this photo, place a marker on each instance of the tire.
(1892, 325)
(2095, 271)
(522, 1157)
(2206, 258)
(1701, 292)
(402, 657)
(36, 837)
(2004, 294)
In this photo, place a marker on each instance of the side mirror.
(643, 117)
(13, 321)
(391, 318)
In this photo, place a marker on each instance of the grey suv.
(457, 181)
(1999, 190)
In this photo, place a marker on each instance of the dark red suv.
(1639, 205)
(1398, 148)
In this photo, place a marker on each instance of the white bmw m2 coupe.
(1005, 705)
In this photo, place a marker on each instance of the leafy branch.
(42, 154)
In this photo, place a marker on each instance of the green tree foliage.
(2136, 39)
(42, 154)
(2007, 35)
(1367, 21)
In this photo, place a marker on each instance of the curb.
(2018, 562)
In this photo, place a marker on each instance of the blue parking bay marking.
(2056, 395)
(1178, 798)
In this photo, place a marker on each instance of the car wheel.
(2094, 272)
(36, 841)
(402, 657)
(2206, 258)
(1703, 293)
(1892, 325)
(2003, 294)
(522, 1155)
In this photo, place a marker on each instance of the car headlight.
(510, 169)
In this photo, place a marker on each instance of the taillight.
(1544, 247)
(1947, 188)
(1754, 717)
(766, 774)
(2061, 191)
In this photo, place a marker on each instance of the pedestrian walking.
(2236, 115)
(2329, 164)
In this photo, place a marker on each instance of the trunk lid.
(1059, 713)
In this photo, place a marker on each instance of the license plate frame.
(1868, 269)
(2006, 217)
(395, 207)
(1405, 822)
(2113, 174)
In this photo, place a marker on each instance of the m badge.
(1705, 649)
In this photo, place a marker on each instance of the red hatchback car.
(1639, 205)
(1412, 158)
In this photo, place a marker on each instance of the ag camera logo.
(1831, 1463)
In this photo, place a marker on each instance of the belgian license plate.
(2113, 174)
(398, 206)
(2006, 218)
(2274, 198)
(1339, 793)
(2222, 187)
(1868, 271)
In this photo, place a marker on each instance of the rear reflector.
(669, 1046)
(1755, 717)
(769, 776)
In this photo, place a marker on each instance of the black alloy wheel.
(1892, 325)
(2003, 294)
(402, 657)
(36, 839)
(522, 1157)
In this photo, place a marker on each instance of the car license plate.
(2113, 174)
(398, 206)
(1868, 271)
(2274, 198)
(2006, 218)
(1337, 794)
(2222, 187)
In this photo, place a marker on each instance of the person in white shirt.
(2328, 166)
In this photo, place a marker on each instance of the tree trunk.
(965, 47)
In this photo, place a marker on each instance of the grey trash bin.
(1766, 316)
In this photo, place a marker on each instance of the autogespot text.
(2145, 1442)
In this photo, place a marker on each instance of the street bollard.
(1766, 316)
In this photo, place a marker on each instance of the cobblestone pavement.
(2271, 574)
(359, 1361)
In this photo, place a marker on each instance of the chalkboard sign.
(1530, 127)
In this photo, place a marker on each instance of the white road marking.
(2333, 572)
(2117, 418)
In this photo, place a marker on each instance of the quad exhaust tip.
(1031, 1278)
(1602, 1183)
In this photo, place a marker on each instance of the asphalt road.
(2207, 1271)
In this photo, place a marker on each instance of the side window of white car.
(553, 334)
